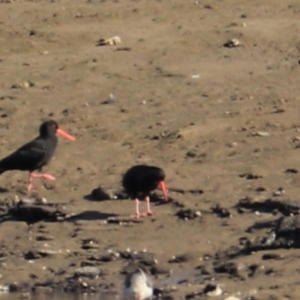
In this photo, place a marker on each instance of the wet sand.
(207, 114)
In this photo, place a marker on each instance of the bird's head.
(51, 127)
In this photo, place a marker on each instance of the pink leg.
(37, 175)
(137, 209)
(149, 211)
(30, 185)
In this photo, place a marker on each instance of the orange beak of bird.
(162, 185)
(64, 134)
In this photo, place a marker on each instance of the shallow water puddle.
(58, 296)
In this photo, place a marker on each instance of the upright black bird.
(140, 180)
(35, 154)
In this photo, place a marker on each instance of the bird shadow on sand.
(90, 215)
(90, 197)
(3, 190)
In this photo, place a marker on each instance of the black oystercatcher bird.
(137, 285)
(35, 154)
(140, 180)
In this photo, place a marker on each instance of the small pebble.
(262, 133)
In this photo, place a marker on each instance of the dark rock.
(269, 256)
(37, 289)
(256, 269)
(44, 238)
(181, 258)
(191, 154)
(143, 258)
(284, 234)
(157, 270)
(35, 254)
(291, 170)
(35, 213)
(89, 244)
(196, 191)
(108, 257)
(163, 293)
(269, 206)
(87, 271)
(210, 287)
(221, 212)
(101, 194)
(89, 263)
(203, 270)
(227, 267)
(18, 287)
(188, 214)
(76, 286)
(250, 176)
(260, 189)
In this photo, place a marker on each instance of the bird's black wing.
(28, 157)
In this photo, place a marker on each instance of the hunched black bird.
(139, 181)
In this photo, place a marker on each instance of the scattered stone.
(40, 289)
(78, 286)
(203, 270)
(88, 244)
(260, 189)
(101, 194)
(196, 191)
(34, 210)
(212, 290)
(269, 256)
(23, 85)
(232, 43)
(19, 287)
(284, 234)
(181, 258)
(111, 99)
(44, 238)
(87, 271)
(262, 133)
(221, 212)
(110, 41)
(230, 268)
(112, 256)
(40, 253)
(280, 191)
(123, 49)
(191, 154)
(291, 170)
(164, 293)
(250, 176)
(268, 206)
(157, 270)
(4, 288)
(29, 201)
(142, 258)
(35, 213)
(188, 214)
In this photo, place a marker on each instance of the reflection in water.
(171, 280)
(58, 296)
